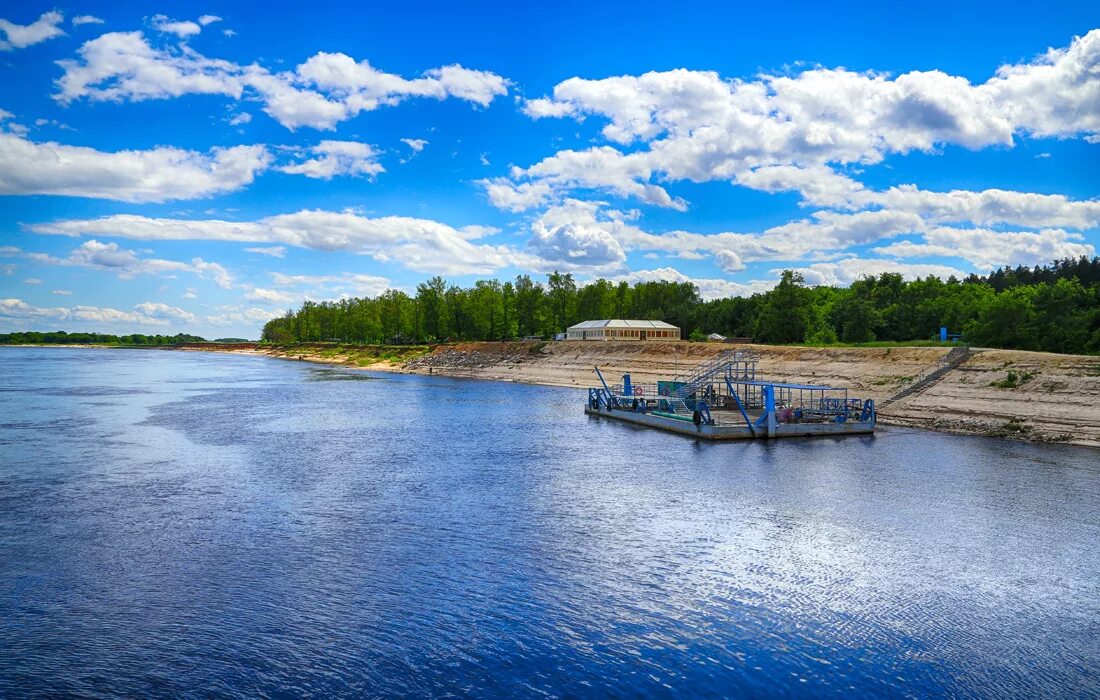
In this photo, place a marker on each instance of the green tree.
(562, 295)
(785, 315)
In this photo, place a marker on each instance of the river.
(202, 524)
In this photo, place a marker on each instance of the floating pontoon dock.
(723, 399)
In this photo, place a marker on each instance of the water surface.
(202, 524)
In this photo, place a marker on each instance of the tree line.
(1054, 307)
(63, 338)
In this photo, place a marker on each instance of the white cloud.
(825, 232)
(345, 284)
(109, 257)
(164, 311)
(144, 314)
(819, 185)
(576, 245)
(988, 207)
(346, 279)
(32, 280)
(85, 19)
(788, 131)
(62, 292)
(182, 29)
(417, 145)
(503, 194)
(844, 272)
(270, 296)
(277, 251)
(326, 89)
(209, 19)
(238, 316)
(155, 175)
(338, 158)
(987, 249)
(709, 288)
(419, 244)
(239, 119)
(20, 36)
(603, 169)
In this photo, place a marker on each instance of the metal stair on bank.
(945, 364)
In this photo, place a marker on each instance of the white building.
(617, 329)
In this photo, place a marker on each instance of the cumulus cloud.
(790, 131)
(709, 288)
(417, 145)
(988, 249)
(20, 36)
(182, 29)
(418, 244)
(144, 314)
(155, 175)
(270, 296)
(164, 311)
(987, 207)
(332, 158)
(110, 257)
(276, 251)
(85, 19)
(576, 245)
(325, 90)
(843, 272)
(343, 284)
(603, 169)
(596, 234)
(240, 316)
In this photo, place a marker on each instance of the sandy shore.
(1059, 401)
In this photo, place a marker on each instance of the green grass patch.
(1013, 379)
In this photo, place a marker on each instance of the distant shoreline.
(1058, 402)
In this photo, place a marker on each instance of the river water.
(200, 524)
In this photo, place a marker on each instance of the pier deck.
(723, 399)
(727, 427)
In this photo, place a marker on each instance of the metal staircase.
(945, 364)
(705, 373)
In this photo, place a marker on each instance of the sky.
(203, 167)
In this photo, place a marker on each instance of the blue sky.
(202, 167)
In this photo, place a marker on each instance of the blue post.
(741, 406)
(607, 390)
(943, 334)
(627, 391)
(769, 408)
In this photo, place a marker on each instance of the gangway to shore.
(722, 398)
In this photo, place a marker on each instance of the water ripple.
(264, 528)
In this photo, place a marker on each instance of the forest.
(1054, 307)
